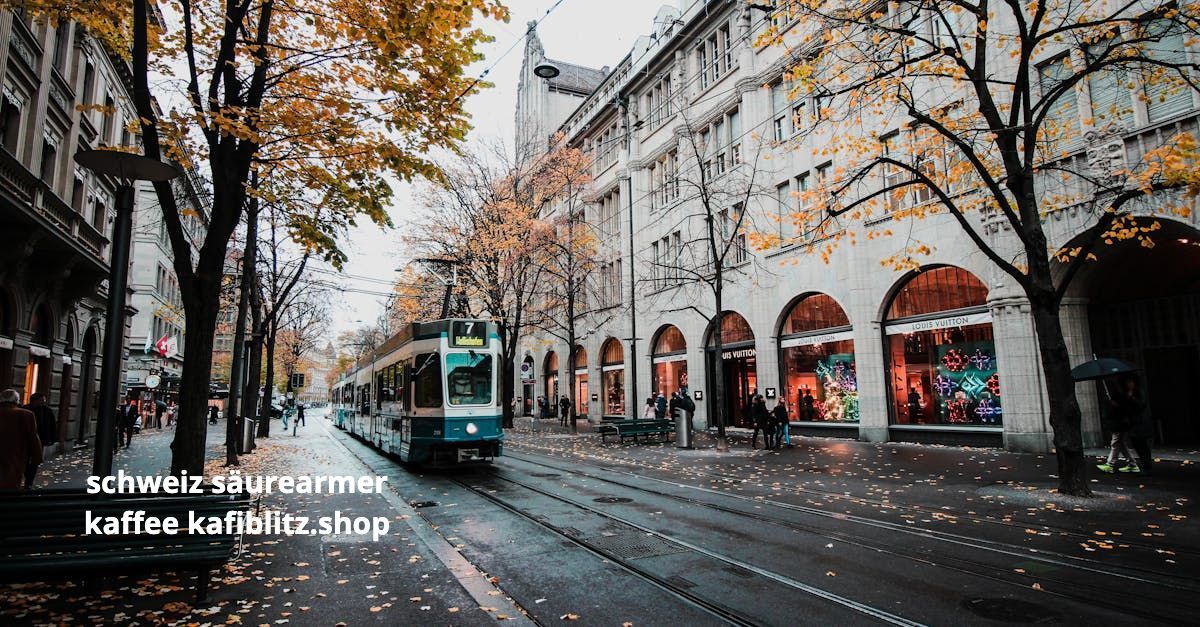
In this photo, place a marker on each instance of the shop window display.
(669, 356)
(943, 367)
(612, 377)
(817, 361)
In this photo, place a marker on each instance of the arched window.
(668, 358)
(581, 381)
(550, 379)
(816, 362)
(734, 330)
(941, 352)
(612, 377)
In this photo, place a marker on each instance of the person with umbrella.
(1128, 414)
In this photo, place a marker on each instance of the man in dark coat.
(1141, 425)
(47, 425)
(564, 410)
(126, 419)
(20, 448)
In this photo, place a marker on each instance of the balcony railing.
(32, 194)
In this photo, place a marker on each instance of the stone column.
(864, 308)
(1022, 385)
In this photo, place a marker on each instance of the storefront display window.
(669, 355)
(612, 377)
(820, 383)
(943, 367)
(581, 382)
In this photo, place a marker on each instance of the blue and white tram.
(429, 394)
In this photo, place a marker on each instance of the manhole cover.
(632, 546)
(612, 499)
(423, 504)
(1010, 610)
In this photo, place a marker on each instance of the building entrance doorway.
(739, 377)
(1145, 309)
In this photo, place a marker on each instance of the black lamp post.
(126, 168)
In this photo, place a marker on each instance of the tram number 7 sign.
(468, 334)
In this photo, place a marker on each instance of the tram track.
(1120, 600)
(666, 583)
(914, 508)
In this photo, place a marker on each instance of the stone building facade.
(854, 348)
(56, 217)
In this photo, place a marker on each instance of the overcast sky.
(587, 32)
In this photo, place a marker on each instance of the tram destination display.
(468, 334)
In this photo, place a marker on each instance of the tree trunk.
(264, 427)
(191, 431)
(718, 383)
(253, 376)
(1066, 419)
(508, 346)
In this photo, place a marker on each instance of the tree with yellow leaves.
(334, 95)
(974, 111)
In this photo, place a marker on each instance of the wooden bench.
(42, 536)
(635, 428)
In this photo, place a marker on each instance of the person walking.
(782, 426)
(47, 425)
(762, 420)
(20, 447)
(660, 406)
(1117, 422)
(127, 418)
(564, 410)
(649, 411)
(212, 414)
(1141, 425)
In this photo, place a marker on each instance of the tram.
(428, 395)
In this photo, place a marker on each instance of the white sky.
(592, 33)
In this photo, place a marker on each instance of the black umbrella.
(1101, 368)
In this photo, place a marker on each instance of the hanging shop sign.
(152, 381)
(939, 324)
(813, 340)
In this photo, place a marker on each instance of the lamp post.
(125, 168)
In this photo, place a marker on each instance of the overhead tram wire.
(491, 67)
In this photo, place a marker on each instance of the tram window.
(427, 381)
(469, 378)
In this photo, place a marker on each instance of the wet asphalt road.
(610, 541)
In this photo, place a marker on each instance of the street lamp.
(126, 168)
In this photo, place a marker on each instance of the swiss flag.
(161, 346)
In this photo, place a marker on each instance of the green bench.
(625, 429)
(42, 536)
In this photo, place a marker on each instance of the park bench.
(625, 429)
(42, 536)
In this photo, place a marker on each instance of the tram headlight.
(472, 429)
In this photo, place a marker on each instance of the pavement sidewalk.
(300, 579)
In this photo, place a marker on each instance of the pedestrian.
(660, 406)
(1141, 430)
(564, 410)
(649, 411)
(47, 425)
(212, 414)
(1117, 421)
(20, 447)
(300, 415)
(172, 410)
(160, 408)
(673, 405)
(127, 418)
(782, 425)
(762, 421)
(541, 406)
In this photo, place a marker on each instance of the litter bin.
(683, 429)
(248, 430)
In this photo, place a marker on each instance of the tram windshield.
(469, 378)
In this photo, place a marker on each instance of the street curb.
(466, 573)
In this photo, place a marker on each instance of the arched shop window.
(668, 359)
(581, 381)
(740, 367)
(550, 379)
(612, 377)
(941, 353)
(816, 357)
